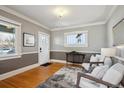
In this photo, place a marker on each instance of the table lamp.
(108, 52)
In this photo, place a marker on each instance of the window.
(7, 42)
(76, 39)
(10, 35)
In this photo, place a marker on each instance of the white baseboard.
(58, 61)
(18, 71)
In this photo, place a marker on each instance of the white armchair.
(86, 66)
(102, 77)
(104, 58)
(96, 61)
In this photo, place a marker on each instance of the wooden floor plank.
(31, 78)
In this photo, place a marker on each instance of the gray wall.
(13, 64)
(26, 27)
(62, 55)
(97, 39)
(27, 59)
(116, 17)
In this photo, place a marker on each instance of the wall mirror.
(118, 37)
(118, 33)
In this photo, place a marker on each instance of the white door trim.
(39, 32)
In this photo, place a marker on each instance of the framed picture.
(28, 40)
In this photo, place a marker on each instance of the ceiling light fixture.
(60, 12)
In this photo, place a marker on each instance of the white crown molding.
(61, 28)
(111, 12)
(79, 26)
(9, 20)
(6, 9)
(90, 24)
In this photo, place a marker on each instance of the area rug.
(64, 78)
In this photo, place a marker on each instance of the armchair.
(95, 60)
(111, 78)
(106, 61)
(104, 58)
(93, 79)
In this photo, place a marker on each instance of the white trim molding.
(17, 26)
(58, 51)
(78, 26)
(16, 56)
(58, 61)
(29, 52)
(77, 51)
(48, 55)
(6, 9)
(111, 12)
(18, 71)
(90, 24)
(10, 57)
(9, 20)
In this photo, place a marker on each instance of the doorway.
(43, 48)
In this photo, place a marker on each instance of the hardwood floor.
(31, 78)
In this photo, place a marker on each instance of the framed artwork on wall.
(28, 40)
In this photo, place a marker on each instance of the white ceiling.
(77, 14)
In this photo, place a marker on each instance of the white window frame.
(17, 26)
(79, 45)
